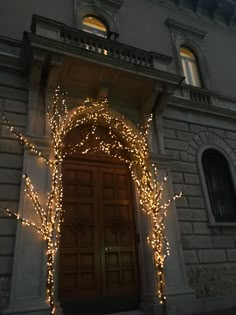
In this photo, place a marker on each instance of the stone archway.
(98, 265)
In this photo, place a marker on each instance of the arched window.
(220, 186)
(190, 67)
(93, 25)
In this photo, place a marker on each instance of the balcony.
(132, 77)
(101, 49)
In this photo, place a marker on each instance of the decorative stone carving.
(106, 10)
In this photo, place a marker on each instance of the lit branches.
(135, 146)
(133, 149)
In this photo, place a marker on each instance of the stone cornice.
(220, 12)
(187, 105)
(10, 53)
(54, 46)
(184, 28)
(111, 4)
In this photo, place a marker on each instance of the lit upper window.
(190, 67)
(94, 26)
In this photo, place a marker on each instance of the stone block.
(11, 160)
(197, 128)
(176, 144)
(181, 202)
(183, 156)
(10, 146)
(213, 280)
(169, 133)
(173, 124)
(7, 245)
(196, 141)
(203, 137)
(196, 202)
(218, 132)
(7, 226)
(174, 154)
(12, 191)
(231, 135)
(6, 133)
(191, 215)
(5, 264)
(186, 167)
(12, 93)
(196, 241)
(179, 188)
(183, 135)
(185, 228)
(10, 176)
(212, 255)
(16, 119)
(201, 228)
(191, 179)
(192, 151)
(192, 190)
(15, 106)
(177, 177)
(231, 143)
(224, 241)
(190, 257)
(231, 253)
(188, 190)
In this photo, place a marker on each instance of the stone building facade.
(174, 58)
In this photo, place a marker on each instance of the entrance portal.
(98, 270)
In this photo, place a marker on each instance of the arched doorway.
(98, 266)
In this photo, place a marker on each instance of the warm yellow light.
(149, 190)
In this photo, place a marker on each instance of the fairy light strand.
(134, 151)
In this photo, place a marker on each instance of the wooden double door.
(98, 266)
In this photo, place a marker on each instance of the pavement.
(231, 311)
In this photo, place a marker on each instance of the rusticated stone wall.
(212, 279)
(209, 251)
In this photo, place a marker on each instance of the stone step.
(135, 312)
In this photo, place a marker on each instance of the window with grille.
(220, 186)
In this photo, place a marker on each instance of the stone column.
(181, 298)
(28, 287)
(148, 300)
(29, 266)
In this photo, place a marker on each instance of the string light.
(134, 151)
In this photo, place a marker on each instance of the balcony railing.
(106, 47)
(200, 97)
(197, 95)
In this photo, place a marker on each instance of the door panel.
(98, 264)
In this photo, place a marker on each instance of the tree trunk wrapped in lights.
(61, 121)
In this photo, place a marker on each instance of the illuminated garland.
(61, 121)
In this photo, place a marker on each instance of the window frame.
(107, 16)
(190, 77)
(96, 33)
(211, 218)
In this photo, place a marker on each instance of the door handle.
(107, 249)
